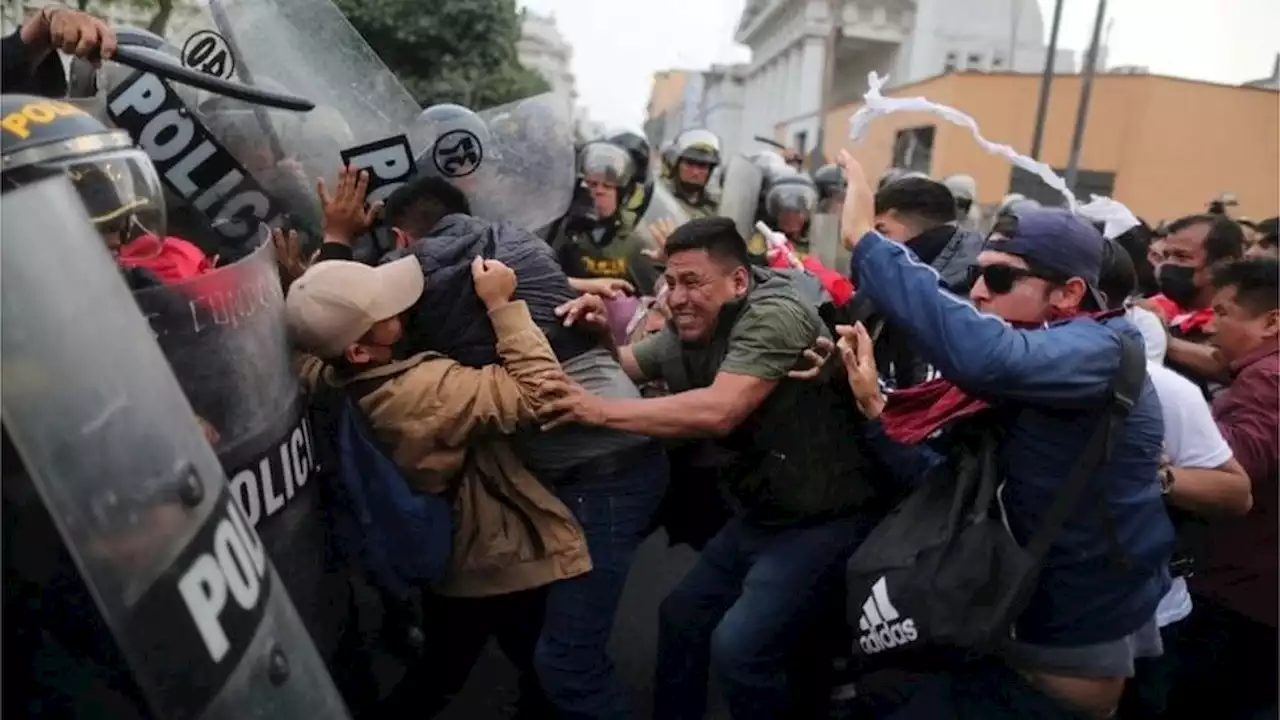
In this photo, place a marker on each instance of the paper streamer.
(1116, 219)
(876, 104)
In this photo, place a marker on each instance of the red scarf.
(912, 415)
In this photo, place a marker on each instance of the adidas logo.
(880, 624)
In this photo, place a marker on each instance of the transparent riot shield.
(740, 195)
(309, 48)
(224, 336)
(824, 242)
(136, 493)
(523, 172)
(662, 206)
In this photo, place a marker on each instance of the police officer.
(831, 185)
(117, 182)
(790, 198)
(596, 242)
(29, 63)
(642, 187)
(695, 155)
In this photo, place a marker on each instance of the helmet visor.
(790, 197)
(121, 193)
(606, 163)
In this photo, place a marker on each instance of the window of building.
(952, 60)
(997, 63)
(974, 62)
(913, 149)
(1088, 182)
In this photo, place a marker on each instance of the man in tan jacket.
(448, 427)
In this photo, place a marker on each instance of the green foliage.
(461, 51)
(160, 10)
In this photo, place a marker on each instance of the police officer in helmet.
(831, 185)
(116, 181)
(597, 242)
(696, 155)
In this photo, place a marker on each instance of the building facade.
(687, 99)
(908, 40)
(1165, 147)
(544, 50)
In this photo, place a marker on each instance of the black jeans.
(457, 630)
(984, 689)
(1226, 665)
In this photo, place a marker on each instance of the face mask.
(1178, 284)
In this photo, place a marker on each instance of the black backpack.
(942, 569)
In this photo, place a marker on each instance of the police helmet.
(795, 192)
(608, 163)
(117, 182)
(455, 141)
(964, 189)
(668, 159)
(638, 146)
(698, 146)
(830, 180)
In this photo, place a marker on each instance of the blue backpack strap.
(406, 537)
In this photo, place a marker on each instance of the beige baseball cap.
(336, 302)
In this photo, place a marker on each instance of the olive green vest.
(800, 455)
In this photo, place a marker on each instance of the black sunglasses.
(1000, 279)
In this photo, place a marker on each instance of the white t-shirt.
(1191, 440)
(1154, 334)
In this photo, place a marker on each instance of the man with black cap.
(1035, 353)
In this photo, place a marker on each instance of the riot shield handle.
(136, 55)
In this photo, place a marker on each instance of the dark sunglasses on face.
(1000, 279)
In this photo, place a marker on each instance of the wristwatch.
(1166, 481)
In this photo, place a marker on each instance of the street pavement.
(491, 691)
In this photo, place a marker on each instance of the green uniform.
(705, 207)
(582, 255)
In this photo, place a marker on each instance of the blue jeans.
(740, 611)
(615, 506)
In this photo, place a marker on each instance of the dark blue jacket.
(1050, 386)
(451, 320)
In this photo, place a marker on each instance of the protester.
(613, 482)
(798, 474)
(1193, 246)
(1268, 242)
(1090, 615)
(920, 213)
(1227, 649)
(448, 427)
(1199, 477)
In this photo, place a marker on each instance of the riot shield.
(740, 196)
(225, 338)
(303, 47)
(662, 206)
(524, 173)
(136, 493)
(824, 242)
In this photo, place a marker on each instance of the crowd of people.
(1015, 465)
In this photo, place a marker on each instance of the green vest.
(800, 456)
(705, 207)
(582, 257)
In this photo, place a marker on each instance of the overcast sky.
(618, 44)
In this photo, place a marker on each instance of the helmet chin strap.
(689, 191)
